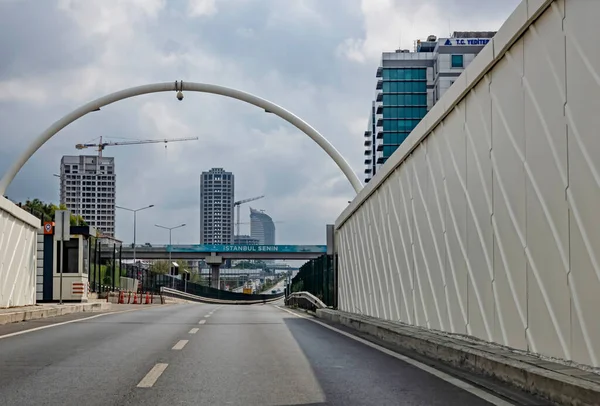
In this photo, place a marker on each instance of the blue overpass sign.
(286, 249)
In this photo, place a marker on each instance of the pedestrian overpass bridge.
(485, 220)
(223, 251)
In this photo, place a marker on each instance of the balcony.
(368, 161)
(380, 122)
(368, 152)
(379, 97)
(379, 109)
(367, 143)
(379, 72)
(380, 135)
(368, 171)
(379, 84)
(380, 147)
(381, 160)
(368, 133)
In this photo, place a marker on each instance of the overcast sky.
(316, 58)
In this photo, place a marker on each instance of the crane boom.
(103, 145)
(238, 204)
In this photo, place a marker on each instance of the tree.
(160, 267)
(47, 211)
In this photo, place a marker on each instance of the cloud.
(394, 24)
(57, 55)
(199, 8)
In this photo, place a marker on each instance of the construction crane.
(238, 204)
(103, 145)
(249, 222)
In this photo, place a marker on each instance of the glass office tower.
(409, 84)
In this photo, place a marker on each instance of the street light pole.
(170, 247)
(134, 211)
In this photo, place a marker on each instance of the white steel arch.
(181, 86)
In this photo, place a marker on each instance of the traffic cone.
(147, 298)
(135, 299)
(121, 297)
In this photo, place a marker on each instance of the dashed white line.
(207, 316)
(151, 377)
(442, 375)
(194, 331)
(202, 322)
(180, 344)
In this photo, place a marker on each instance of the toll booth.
(76, 259)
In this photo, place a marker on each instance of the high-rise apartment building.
(262, 227)
(216, 207)
(88, 188)
(409, 84)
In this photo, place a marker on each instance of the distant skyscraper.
(409, 84)
(245, 240)
(216, 207)
(262, 227)
(88, 188)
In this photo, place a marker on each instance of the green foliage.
(46, 211)
(160, 267)
(250, 265)
(183, 265)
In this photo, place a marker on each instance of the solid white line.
(151, 377)
(180, 344)
(194, 330)
(442, 375)
(202, 322)
(18, 333)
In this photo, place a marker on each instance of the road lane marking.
(180, 344)
(194, 330)
(202, 322)
(17, 333)
(207, 316)
(151, 377)
(442, 375)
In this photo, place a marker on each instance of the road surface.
(201, 354)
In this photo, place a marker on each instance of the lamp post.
(170, 244)
(134, 211)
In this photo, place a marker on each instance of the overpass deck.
(233, 251)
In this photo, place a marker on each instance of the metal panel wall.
(487, 224)
(18, 249)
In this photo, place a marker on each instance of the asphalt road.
(201, 354)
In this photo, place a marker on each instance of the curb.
(37, 313)
(514, 369)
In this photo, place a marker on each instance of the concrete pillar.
(215, 262)
(214, 277)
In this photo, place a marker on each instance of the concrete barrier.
(557, 382)
(45, 311)
(169, 294)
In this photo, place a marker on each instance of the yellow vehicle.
(247, 290)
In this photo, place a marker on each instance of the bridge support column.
(215, 262)
(214, 276)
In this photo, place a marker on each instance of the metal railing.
(304, 300)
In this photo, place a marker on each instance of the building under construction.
(88, 189)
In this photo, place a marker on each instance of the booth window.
(71, 256)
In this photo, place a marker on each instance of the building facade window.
(457, 61)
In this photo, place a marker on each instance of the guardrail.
(168, 292)
(305, 300)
